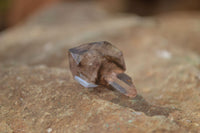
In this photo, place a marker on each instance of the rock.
(4, 128)
(146, 8)
(39, 94)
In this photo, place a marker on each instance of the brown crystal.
(100, 63)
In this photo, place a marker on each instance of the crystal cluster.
(100, 63)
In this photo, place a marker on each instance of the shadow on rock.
(138, 103)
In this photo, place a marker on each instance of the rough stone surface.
(38, 93)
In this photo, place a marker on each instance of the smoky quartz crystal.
(100, 63)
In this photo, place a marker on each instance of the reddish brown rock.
(38, 93)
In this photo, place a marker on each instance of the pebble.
(49, 130)
(164, 54)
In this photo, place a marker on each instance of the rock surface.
(38, 93)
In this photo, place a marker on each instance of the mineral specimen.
(100, 63)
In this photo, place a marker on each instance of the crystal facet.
(100, 63)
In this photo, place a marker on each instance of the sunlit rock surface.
(39, 94)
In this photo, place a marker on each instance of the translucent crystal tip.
(123, 83)
(84, 83)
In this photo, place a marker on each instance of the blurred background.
(13, 12)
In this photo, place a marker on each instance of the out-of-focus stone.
(152, 7)
(37, 91)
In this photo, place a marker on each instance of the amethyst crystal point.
(100, 63)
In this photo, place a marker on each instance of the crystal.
(100, 63)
